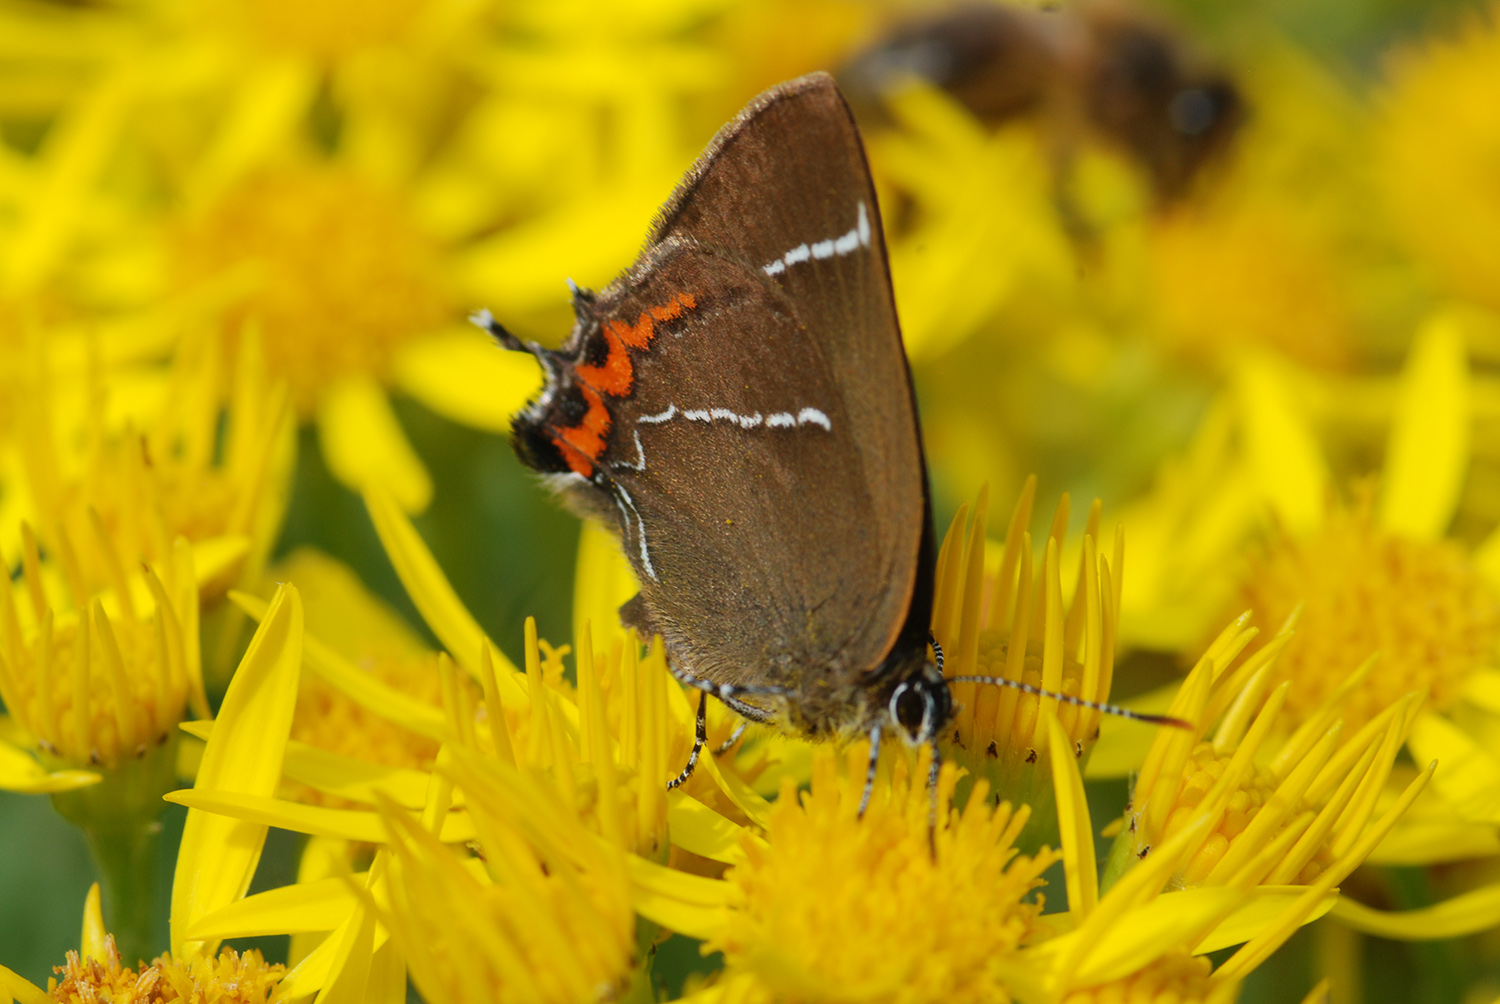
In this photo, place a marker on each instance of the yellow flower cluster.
(1248, 301)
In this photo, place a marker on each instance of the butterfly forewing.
(782, 537)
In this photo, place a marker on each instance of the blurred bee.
(1104, 69)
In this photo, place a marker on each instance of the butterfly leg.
(734, 737)
(700, 736)
(731, 694)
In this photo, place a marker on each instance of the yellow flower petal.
(20, 773)
(343, 613)
(1468, 775)
(463, 375)
(387, 982)
(22, 989)
(522, 268)
(354, 950)
(1142, 934)
(1487, 558)
(216, 560)
(346, 824)
(1428, 454)
(1265, 904)
(1258, 949)
(1320, 994)
(364, 444)
(1079, 864)
(1432, 831)
(435, 598)
(1282, 448)
(218, 854)
(311, 973)
(362, 688)
(688, 904)
(697, 828)
(91, 942)
(269, 103)
(343, 776)
(77, 148)
(1482, 689)
(1006, 234)
(302, 906)
(1468, 913)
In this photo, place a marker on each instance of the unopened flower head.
(1010, 622)
(96, 688)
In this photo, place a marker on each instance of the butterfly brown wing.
(768, 473)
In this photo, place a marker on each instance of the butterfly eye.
(921, 706)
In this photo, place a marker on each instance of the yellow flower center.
(1419, 604)
(882, 908)
(1203, 770)
(1178, 977)
(334, 274)
(232, 978)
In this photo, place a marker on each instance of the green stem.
(119, 820)
(642, 989)
(1439, 964)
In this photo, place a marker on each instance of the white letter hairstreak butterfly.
(737, 407)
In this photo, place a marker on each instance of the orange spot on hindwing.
(639, 334)
(583, 442)
(616, 374)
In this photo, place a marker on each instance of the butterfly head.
(921, 705)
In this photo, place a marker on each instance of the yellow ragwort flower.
(1438, 141)
(884, 907)
(1144, 931)
(1352, 574)
(232, 978)
(106, 495)
(604, 750)
(372, 638)
(96, 972)
(1281, 811)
